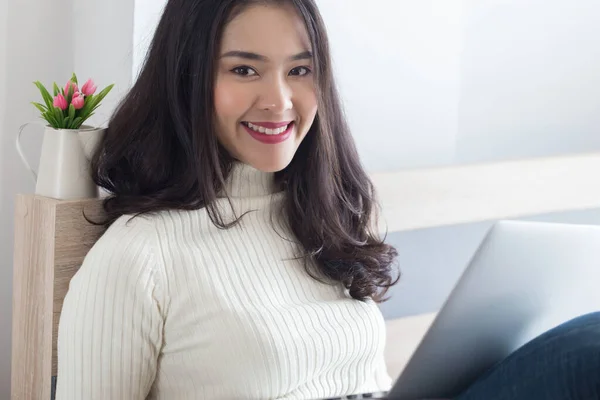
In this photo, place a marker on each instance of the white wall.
(530, 84)
(3, 66)
(147, 14)
(398, 68)
(437, 82)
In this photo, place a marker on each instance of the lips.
(271, 139)
(268, 131)
(270, 125)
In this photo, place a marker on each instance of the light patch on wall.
(529, 82)
(146, 17)
(398, 68)
(3, 77)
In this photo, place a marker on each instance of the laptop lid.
(524, 279)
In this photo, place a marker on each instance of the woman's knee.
(563, 363)
(583, 330)
(574, 346)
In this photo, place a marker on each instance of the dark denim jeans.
(561, 364)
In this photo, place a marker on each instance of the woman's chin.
(269, 164)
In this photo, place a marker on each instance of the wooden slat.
(32, 298)
(425, 198)
(75, 236)
(52, 238)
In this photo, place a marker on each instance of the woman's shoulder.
(153, 232)
(147, 233)
(129, 242)
(123, 262)
(141, 227)
(127, 229)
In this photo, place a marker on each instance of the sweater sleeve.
(110, 330)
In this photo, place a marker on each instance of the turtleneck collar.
(247, 181)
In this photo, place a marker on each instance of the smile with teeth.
(266, 131)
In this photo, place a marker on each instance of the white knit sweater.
(170, 307)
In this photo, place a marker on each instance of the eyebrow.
(306, 55)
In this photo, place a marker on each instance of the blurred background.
(425, 83)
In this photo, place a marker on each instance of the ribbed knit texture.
(168, 306)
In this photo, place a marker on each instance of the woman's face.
(265, 97)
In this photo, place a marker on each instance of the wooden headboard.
(52, 238)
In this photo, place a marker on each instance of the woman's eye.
(300, 71)
(244, 71)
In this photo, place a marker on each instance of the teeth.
(267, 131)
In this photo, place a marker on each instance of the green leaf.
(103, 93)
(47, 98)
(45, 119)
(74, 79)
(88, 105)
(49, 116)
(67, 122)
(69, 95)
(59, 116)
(56, 90)
(71, 111)
(77, 123)
(95, 108)
(40, 107)
(86, 117)
(93, 101)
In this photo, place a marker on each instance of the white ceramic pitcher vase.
(64, 168)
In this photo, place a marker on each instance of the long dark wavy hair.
(161, 152)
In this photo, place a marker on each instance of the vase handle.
(20, 150)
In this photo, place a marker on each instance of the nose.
(276, 96)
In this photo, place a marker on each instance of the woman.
(241, 261)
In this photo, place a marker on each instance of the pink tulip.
(78, 101)
(60, 102)
(89, 88)
(75, 88)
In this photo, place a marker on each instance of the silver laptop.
(525, 278)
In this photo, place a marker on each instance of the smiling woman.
(242, 259)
